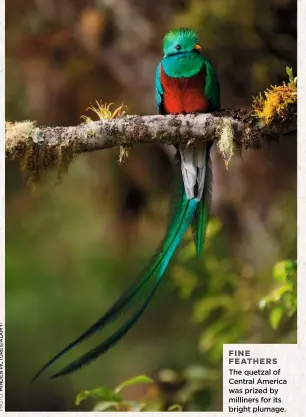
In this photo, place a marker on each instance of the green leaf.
(118, 406)
(214, 226)
(97, 393)
(81, 397)
(135, 406)
(105, 405)
(289, 72)
(292, 79)
(284, 270)
(275, 316)
(280, 271)
(204, 308)
(196, 373)
(175, 407)
(140, 379)
(185, 280)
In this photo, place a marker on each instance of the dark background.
(73, 246)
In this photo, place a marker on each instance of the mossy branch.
(38, 148)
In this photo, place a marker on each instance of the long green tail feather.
(103, 347)
(203, 209)
(181, 219)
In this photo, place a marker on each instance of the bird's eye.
(178, 47)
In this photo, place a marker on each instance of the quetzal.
(186, 82)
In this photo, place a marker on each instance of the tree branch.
(41, 147)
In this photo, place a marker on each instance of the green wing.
(212, 86)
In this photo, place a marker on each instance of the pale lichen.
(226, 144)
(25, 142)
(17, 133)
(123, 153)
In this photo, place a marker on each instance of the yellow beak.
(197, 47)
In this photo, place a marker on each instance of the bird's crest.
(179, 34)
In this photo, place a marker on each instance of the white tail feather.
(194, 169)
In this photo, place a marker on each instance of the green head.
(181, 40)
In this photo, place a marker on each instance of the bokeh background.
(73, 245)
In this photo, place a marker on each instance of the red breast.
(184, 95)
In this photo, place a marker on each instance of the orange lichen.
(275, 100)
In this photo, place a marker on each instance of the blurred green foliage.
(110, 400)
(283, 299)
(217, 309)
(189, 384)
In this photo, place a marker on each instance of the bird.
(185, 82)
